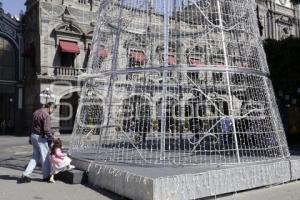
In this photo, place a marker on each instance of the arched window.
(7, 60)
(172, 115)
(136, 117)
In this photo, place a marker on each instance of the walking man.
(41, 132)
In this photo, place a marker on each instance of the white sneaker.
(70, 167)
(51, 180)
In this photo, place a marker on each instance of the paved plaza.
(166, 99)
(15, 153)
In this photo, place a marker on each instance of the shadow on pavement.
(106, 193)
(17, 162)
(8, 177)
(17, 179)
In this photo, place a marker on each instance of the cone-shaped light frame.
(177, 82)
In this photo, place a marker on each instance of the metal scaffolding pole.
(228, 80)
(164, 91)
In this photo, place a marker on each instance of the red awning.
(102, 53)
(138, 57)
(195, 62)
(172, 60)
(69, 47)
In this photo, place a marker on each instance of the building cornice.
(8, 82)
(9, 26)
(278, 12)
(5, 28)
(9, 18)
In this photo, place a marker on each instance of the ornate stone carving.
(282, 2)
(284, 33)
(90, 33)
(66, 16)
(69, 28)
(8, 30)
(284, 20)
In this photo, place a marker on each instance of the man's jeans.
(40, 154)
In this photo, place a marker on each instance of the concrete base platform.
(72, 177)
(162, 183)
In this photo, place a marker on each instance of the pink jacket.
(58, 156)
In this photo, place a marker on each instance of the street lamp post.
(46, 95)
(10, 115)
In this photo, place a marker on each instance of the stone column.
(297, 22)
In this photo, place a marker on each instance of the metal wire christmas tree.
(177, 82)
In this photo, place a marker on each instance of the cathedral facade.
(279, 19)
(11, 73)
(58, 37)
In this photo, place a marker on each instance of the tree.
(283, 59)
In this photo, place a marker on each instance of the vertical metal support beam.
(114, 60)
(149, 31)
(228, 81)
(164, 91)
(112, 76)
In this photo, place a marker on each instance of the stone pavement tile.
(288, 191)
(15, 153)
(37, 190)
(20, 143)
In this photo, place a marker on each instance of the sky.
(13, 6)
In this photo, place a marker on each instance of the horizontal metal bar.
(180, 68)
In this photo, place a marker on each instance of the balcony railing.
(60, 71)
(67, 71)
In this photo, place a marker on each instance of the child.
(59, 161)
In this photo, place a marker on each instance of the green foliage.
(284, 63)
(295, 1)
